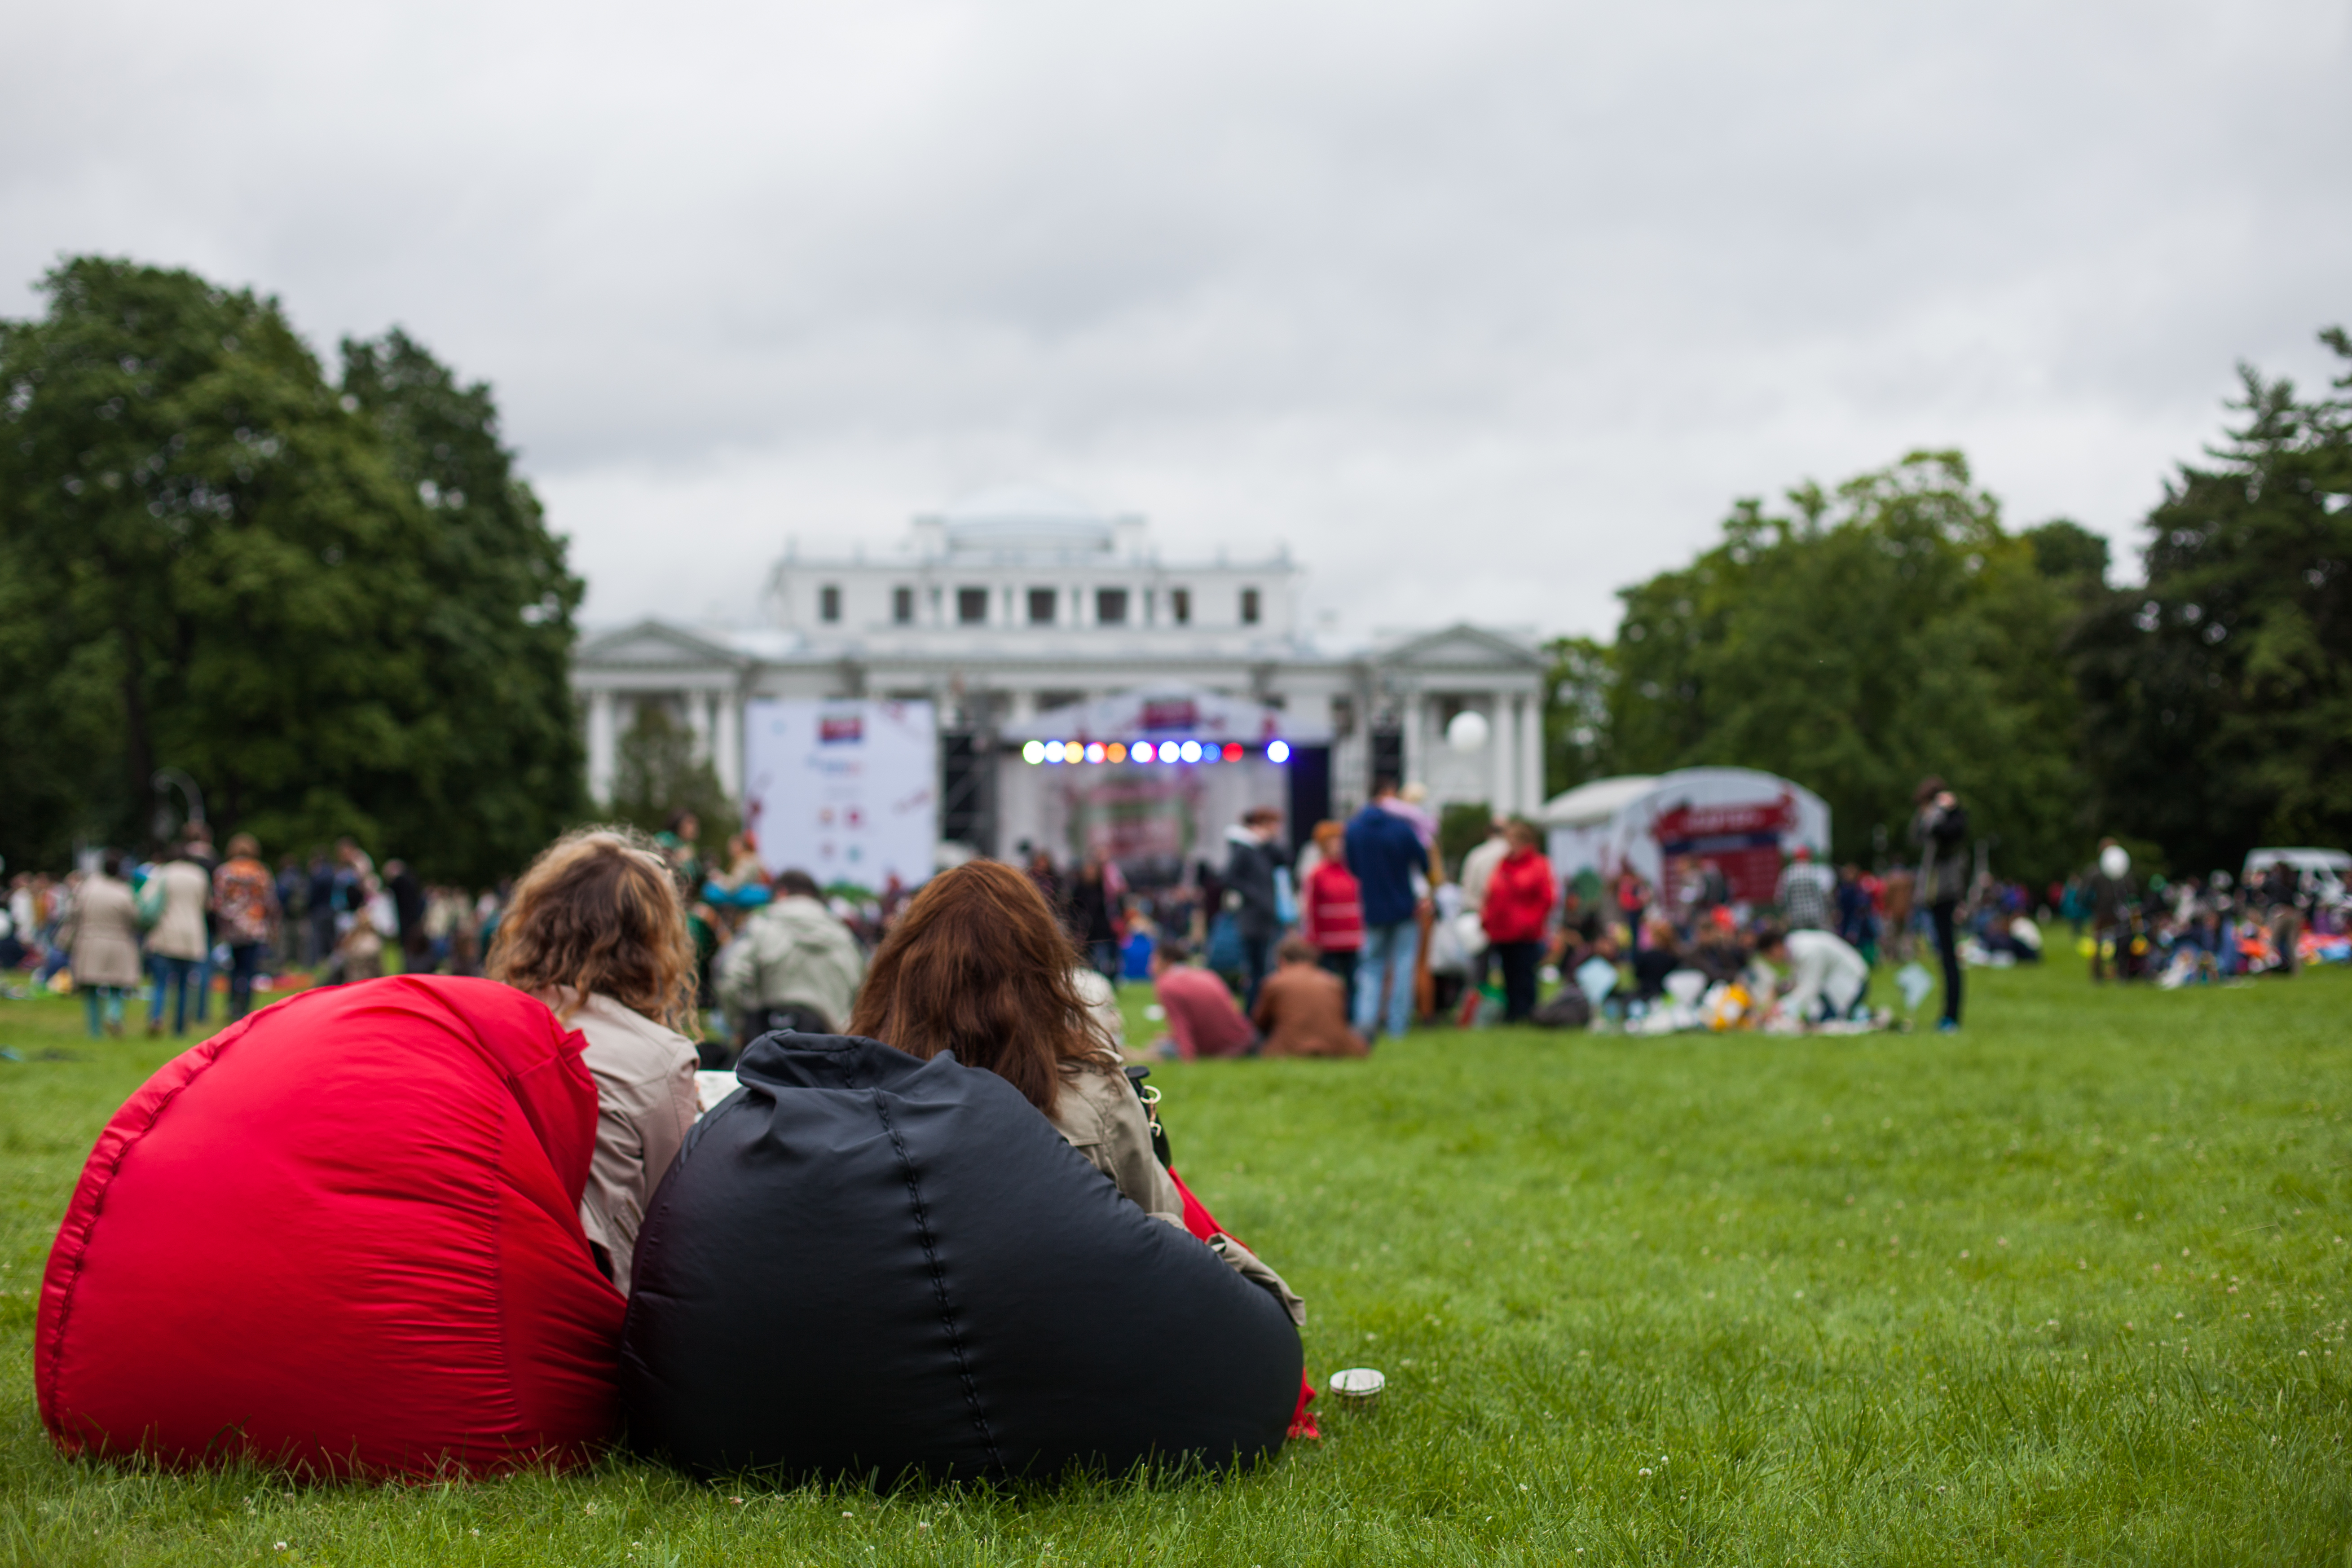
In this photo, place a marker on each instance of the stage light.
(1191, 752)
(1140, 751)
(1208, 754)
(1094, 750)
(1277, 751)
(1114, 753)
(1035, 752)
(1232, 750)
(1053, 751)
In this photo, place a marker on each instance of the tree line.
(330, 600)
(1859, 638)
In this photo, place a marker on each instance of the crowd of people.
(1367, 931)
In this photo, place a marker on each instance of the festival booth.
(1153, 777)
(1668, 827)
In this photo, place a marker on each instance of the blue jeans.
(165, 972)
(106, 1000)
(1388, 956)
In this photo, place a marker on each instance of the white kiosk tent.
(1665, 826)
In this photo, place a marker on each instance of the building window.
(1249, 606)
(1180, 605)
(1110, 606)
(828, 603)
(971, 607)
(902, 607)
(1040, 606)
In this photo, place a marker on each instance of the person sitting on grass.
(596, 929)
(1828, 978)
(1302, 1008)
(979, 966)
(1203, 1017)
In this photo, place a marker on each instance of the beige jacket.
(646, 1101)
(187, 893)
(103, 933)
(1097, 1114)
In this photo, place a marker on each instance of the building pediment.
(652, 644)
(1462, 646)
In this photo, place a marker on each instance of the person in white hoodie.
(596, 929)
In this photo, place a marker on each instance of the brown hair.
(978, 966)
(598, 912)
(1297, 949)
(1332, 837)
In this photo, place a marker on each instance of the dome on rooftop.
(1025, 517)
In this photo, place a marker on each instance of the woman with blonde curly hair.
(596, 929)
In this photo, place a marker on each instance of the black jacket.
(1249, 874)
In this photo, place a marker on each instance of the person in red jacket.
(1331, 906)
(1519, 897)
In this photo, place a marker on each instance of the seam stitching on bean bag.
(938, 1280)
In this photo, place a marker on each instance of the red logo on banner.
(1183, 715)
(848, 727)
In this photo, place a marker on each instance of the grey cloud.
(1486, 309)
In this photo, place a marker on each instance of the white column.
(601, 740)
(1502, 755)
(729, 758)
(1527, 712)
(1416, 739)
(697, 720)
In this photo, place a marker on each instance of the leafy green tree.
(1858, 641)
(656, 775)
(1577, 713)
(2218, 697)
(213, 558)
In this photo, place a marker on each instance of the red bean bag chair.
(343, 1234)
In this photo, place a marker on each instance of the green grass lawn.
(2069, 1287)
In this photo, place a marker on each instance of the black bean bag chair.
(863, 1263)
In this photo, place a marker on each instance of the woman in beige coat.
(596, 931)
(102, 934)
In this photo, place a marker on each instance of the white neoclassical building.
(1018, 614)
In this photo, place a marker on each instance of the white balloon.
(1467, 731)
(2114, 860)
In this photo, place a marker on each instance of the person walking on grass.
(177, 894)
(246, 909)
(1386, 854)
(1519, 897)
(1941, 831)
(101, 932)
(1252, 856)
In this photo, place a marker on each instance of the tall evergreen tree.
(2217, 698)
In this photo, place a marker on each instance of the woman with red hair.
(979, 966)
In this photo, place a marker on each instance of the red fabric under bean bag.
(343, 1234)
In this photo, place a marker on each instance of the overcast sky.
(1483, 309)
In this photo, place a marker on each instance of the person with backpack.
(793, 965)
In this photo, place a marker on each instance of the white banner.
(846, 790)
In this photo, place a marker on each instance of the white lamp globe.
(2114, 860)
(1467, 731)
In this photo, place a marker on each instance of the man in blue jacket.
(1385, 855)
